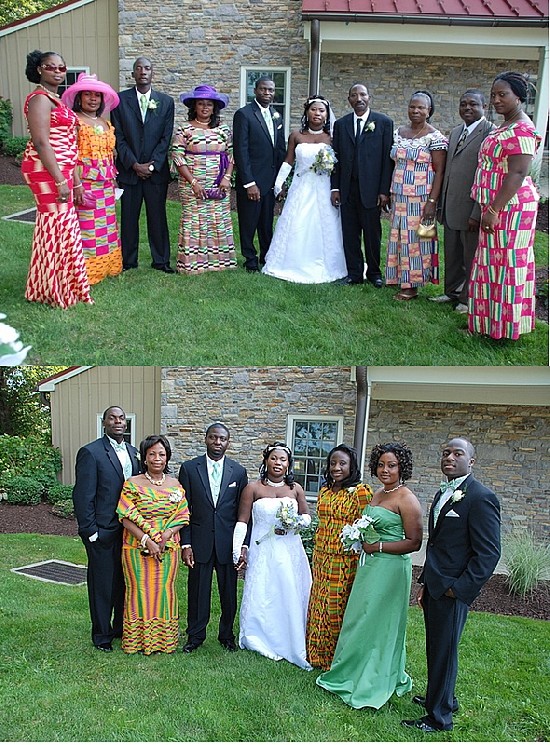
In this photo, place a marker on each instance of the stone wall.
(208, 41)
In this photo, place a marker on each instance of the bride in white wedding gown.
(278, 578)
(307, 243)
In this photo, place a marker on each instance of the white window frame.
(290, 427)
(131, 418)
(268, 70)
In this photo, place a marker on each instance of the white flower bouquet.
(324, 162)
(287, 520)
(352, 536)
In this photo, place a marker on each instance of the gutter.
(424, 19)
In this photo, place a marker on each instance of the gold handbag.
(427, 229)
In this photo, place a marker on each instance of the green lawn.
(234, 318)
(55, 687)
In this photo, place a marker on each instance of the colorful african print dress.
(501, 301)
(57, 274)
(205, 241)
(333, 570)
(369, 660)
(151, 605)
(412, 261)
(97, 216)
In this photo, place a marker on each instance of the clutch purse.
(427, 229)
(215, 193)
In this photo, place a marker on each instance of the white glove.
(305, 520)
(238, 537)
(284, 170)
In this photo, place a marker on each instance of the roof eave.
(433, 20)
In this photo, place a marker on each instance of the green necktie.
(143, 104)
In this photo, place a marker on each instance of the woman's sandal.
(404, 295)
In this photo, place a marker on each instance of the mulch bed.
(494, 597)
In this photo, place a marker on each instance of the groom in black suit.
(360, 182)
(462, 552)
(101, 468)
(213, 484)
(259, 149)
(143, 122)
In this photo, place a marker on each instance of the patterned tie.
(445, 487)
(269, 123)
(216, 478)
(143, 104)
(120, 447)
(461, 139)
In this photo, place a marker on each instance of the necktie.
(444, 485)
(124, 459)
(461, 139)
(447, 487)
(358, 130)
(143, 104)
(216, 478)
(269, 123)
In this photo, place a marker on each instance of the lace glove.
(284, 170)
(304, 520)
(239, 535)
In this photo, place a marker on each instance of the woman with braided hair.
(278, 577)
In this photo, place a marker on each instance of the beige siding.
(86, 36)
(76, 402)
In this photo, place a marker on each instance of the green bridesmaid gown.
(369, 661)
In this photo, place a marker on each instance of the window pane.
(312, 441)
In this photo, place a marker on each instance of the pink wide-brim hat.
(205, 91)
(87, 82)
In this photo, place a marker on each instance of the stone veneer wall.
(208, 41)
(512, 444)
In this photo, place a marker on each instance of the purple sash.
(224, 161)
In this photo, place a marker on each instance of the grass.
(235, 318)
(55, 687)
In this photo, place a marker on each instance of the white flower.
(11, 349)
(371, 126)
(275, 116)
(177, 496)
(152, 104)
(457, 496)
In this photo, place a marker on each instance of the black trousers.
(444, 620)
(154, 196)
(199, 594)
(460, 248)
(105, 588)
(357, 223)
(255, 216)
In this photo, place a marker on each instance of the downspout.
(361, 413)
(315, 56)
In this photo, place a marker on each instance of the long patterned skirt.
(501, 302)
(57, 274)
(205, 241)
(333, 576)
(98, 225)
(411, 261)
(150, 605)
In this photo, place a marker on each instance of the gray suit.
(457, 207)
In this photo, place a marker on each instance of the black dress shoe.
(107, 647)
(190, 647)
(229, 644)
(376, 283)
(419, 724)
(127, 268)
(349, 281)
(421, 701)
(166, 268)
(252, 268)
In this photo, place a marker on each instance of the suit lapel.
(349, 127)
(260, 118)
(133, 104)
(448, 506)
(133, 459)
(113, 457)
(202, 469)
(226, 477)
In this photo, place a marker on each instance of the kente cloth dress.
(501, 301)
(333, 570)
(276, 589)
(369, 661)
(97, 216)
(150, 621)
(205, 239)
(307, 243)
(57, 274)
(412, 261)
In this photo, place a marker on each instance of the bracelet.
(144, 539)
(433, 201)
(193, 182)
(380, 547)
(492, 211)
(61, 183)
(78, 186)
(227, 177)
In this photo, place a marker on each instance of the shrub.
(308, 537)
(64, 508)
(57, 493)
(527, 561)
(23, 490)
(28, 456)
(6, 118)
(14, 146)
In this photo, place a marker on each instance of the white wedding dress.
(276, 589)
(307, 243)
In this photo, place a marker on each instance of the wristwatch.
(151, 167)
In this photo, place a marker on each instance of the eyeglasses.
(54, 68)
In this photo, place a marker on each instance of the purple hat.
(205, 91)
(87, 82)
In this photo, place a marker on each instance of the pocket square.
(280, 126)
(234, 483)
(452, 513)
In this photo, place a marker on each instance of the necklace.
(89, 115)
(203, 124)
(156, 482)
(395, 488)
(275, 483)
(315, 131)
(47, 90)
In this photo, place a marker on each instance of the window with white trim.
(129, 433)
(281, 78)
(71, 77)
(311, 438)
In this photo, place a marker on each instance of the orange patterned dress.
(97, 216)
(57, 274)
(151, 605)
(333, 570)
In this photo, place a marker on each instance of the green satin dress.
(369, 661)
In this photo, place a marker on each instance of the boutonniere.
(370, 126)
(457, 495)
(152, 105)
(275, 116)
(138, 457)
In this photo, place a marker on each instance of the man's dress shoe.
(376, 282)
(106, 647)
(191, 646)
(229, 644)
(420, 724)
(421, 701)
(166, 268)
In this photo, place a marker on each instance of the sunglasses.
(54, 68)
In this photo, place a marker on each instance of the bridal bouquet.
(352, 536)
(287, 519)
(324, 162)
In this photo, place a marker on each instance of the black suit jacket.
(140, 142)
(256, 157)
(99, 479)
(462, 551)
(211, 528)
(375, 164)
